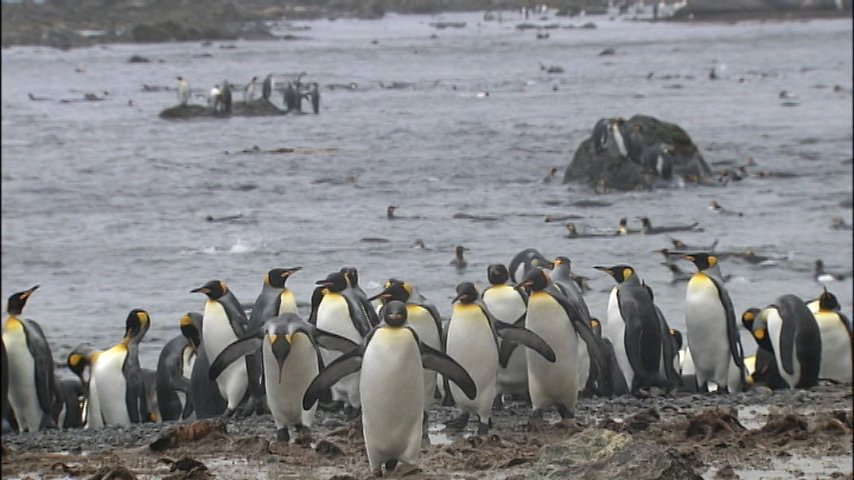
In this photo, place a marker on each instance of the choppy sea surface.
(105, 204)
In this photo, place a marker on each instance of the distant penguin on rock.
(30, 375)
(183, 91)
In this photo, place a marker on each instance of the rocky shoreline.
(779, 434)
(67, 24)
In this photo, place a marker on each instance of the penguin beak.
(323, 283)
(524, 284)
(204, 290)
(459, 297)
(395, 317)
(604, 269)
(382, 296)
(287, 273)
(30, 291)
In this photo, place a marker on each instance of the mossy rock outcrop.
(256, 108)
(605, 167)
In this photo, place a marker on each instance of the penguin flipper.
(316, 297)
(43, 360)
(437, 318)
(332, 341)
(189, 408)
(358, 313)
(505, 350)
(231, 353)
(342, 366)
(582, 327)
(449, 368)
(731, 325)
(525, 337)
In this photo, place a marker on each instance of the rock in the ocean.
(639, 153)
(255, 108)
(597, 453)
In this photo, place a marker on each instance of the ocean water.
(105, 204)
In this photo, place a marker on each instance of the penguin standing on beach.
(711, 327)
(509, 305)
(836, 341)
(635, 329)
(552, 316)
(30, 375)
(205, 398)
(795, 338)
(472, 340)
(340, 311)
(223, 322)
(424, 319)
(172, 385)
(117, 394)
(291, 361)
(391, 360)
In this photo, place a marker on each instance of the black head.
(79, 359)
(645, 222)
(214, 289)
(621, 273)
(624, 222)
(190, 329)
(596, 326)
(497, 274)
(137, 324)
(828, 302)
(703, 261)
(571, 229)
(748, 317)
(394, 313)
(394, 290)
(18, 300)
(334, 282)
(390, 211)
(466, 293)
(819, 266)
(459, 251)
(536, 280)
(277, 277)
(676, 335)
(351, 275)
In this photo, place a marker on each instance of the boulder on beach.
(640, 153)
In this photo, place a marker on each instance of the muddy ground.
(753, 435)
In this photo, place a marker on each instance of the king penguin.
(634, 327)
(223, 322)
(117, 394)
(275, 299)
(795, 338)
(291, 361)
(172, 383)
(472, 340)
(205, 398)
(552, 316)
(83, 356)
(340, 311)
(391, 360)
(836, 340)
(32, 387)
(711, 327)
(765, 369)
(523, 262)
(509, 305)
(423, 317)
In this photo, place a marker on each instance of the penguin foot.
(389, 465)
(482, 428)
(282, 435)
(351, 412)
(536, 413)
(565, 413)
(458, 423)
(404, 469)
(332, 406)
(303, 435)
(229, 412)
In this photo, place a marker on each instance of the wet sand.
(753, 435)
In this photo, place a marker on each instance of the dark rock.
(607, 51)
(602, 454)
(256, 108)
(327, 448)
(611, 170)
(186, 111)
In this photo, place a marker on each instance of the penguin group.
(293, 93)
(613, 134)
(386, 360)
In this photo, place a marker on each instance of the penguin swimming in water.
(822, 276)
(836, 341)
(204, 394)
(712, 331)
(634, 327)
(391, 360)
(224, 322)
(552, 315)
(30, 376)
(795, 338)
(459, 262)
(509, 305)
(524, 261)
(117, 394)
(472, 340)
(291, 361)
(424, 319)
(648, 229)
